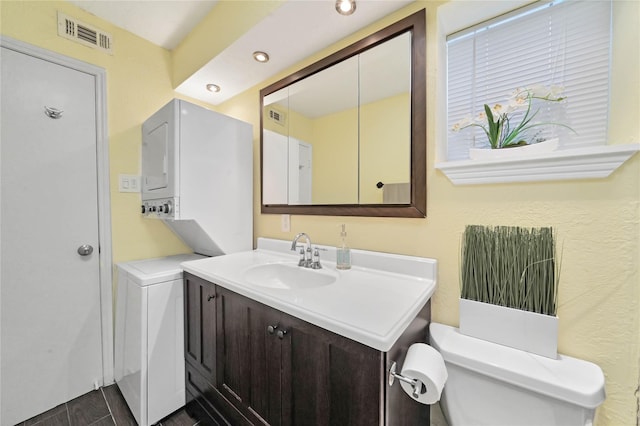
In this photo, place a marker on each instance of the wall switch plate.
(285, 223)
(129, 183)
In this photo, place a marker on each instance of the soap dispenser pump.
(343, 253)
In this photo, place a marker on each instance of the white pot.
(549, 145)
(527, 331)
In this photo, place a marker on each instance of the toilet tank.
(491, 384)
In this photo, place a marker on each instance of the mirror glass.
(341, 136)
(385, 122)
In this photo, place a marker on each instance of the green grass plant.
(510, 266)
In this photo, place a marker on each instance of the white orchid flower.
(539, 91)
(465, 122)
(556, 91)
(498, 110)
(519, 101)
(501, 130)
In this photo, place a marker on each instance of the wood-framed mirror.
(346, 136)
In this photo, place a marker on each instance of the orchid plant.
(496, 121)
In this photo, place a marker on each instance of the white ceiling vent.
(88, 35)
(277, 116)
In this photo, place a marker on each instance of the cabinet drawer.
(216, 404)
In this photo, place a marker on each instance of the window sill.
(579, 163)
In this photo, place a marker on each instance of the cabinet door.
(249, 357)
(328, 379)
(200, 325)
(280, 370)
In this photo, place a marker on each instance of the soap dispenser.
(343, 254)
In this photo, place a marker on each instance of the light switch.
(285, 223)
(129, 183)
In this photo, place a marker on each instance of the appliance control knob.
(167, 208)
(143, 209)
(153, 208)
(160, 210)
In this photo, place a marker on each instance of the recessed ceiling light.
(345, 7)
(261, 56)
(214, 88)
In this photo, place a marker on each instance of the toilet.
(491, 384)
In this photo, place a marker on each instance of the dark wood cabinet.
(273, 368)
(200, 325)
(331, 379)
(200, 312)
(249, 357)
(280, 370)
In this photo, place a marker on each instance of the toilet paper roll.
(425, 364)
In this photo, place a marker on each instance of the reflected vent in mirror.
(82, 33)
(277, 116)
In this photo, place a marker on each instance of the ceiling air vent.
(277, 116)
(82, 33)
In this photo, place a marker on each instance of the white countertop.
(371, 303)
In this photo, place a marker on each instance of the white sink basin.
(288, 276)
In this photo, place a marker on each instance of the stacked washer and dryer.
(197, 177)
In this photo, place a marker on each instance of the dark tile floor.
(106, 406)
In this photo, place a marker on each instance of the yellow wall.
(138, 83)
(385, 145)
(335, 158)
(598, 221)
(361, 145)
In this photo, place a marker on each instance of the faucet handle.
(303, 259)
(316, 259)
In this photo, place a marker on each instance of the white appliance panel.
(165, 354)
(131, 308)
(208, 199)
(149, 336)
(155, 158)
(159, 135)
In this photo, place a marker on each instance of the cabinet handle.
(272, 329)
(211, 296)
(281, 334)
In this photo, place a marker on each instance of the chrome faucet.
(306, 259)
(294, 243)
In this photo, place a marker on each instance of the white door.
(274, 168)
(304, 172)
(51, 348)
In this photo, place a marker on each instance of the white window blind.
(563, 44)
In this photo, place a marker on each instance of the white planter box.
(514, 152)
(527, 331)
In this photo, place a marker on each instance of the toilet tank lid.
(570, 379)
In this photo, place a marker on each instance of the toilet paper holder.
(417, 386)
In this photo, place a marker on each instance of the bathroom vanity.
(267, 341)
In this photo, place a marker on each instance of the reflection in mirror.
(314, 124)
(385, 122)
(330, 100)
(346, 136)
